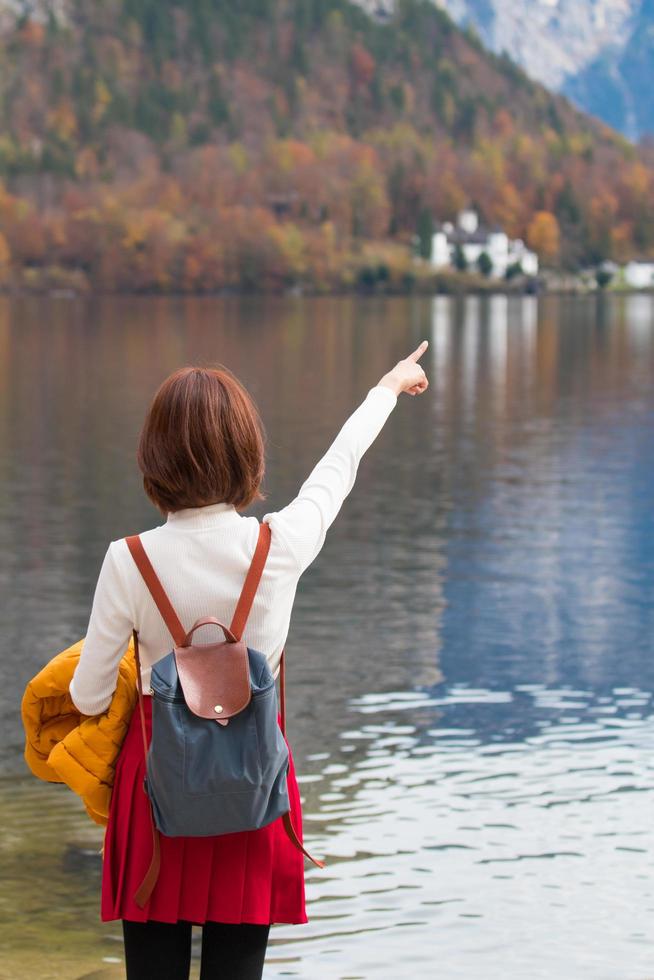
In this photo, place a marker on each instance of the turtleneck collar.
(210, 515)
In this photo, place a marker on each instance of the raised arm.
(302, 525)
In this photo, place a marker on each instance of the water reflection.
(549, 566)
(457, 857)
(470, 660)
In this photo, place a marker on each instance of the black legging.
(163, 950)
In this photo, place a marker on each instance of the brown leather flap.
(215, 678)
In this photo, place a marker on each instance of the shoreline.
(73, 284)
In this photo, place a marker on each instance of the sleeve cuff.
(88, 707)
(385, 393)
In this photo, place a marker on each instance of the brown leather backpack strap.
(251, 581)
(156, 589)
(295, 840)
(164, 604)
(144, 891)
(139, 688)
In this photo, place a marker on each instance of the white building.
(473, 240)
(639, 275)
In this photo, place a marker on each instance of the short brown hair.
(202, 442)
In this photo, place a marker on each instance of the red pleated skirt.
(255, 876)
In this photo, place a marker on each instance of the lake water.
(471, 656)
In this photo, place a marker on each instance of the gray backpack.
(218, 759)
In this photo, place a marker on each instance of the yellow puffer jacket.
(64, 746)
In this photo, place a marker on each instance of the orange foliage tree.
(543, 235)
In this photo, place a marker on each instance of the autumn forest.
(163, 145)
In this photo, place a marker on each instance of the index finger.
(418, 352)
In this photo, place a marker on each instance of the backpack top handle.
(209, 621)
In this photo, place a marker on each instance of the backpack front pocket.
(221, 760)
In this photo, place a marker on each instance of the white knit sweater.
(202, 554)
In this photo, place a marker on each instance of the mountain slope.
(599, 52)
(171, 144)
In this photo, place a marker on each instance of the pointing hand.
(407, 375)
